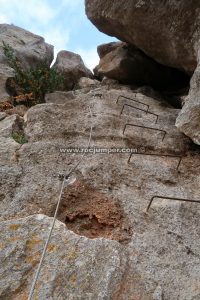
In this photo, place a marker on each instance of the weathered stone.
(131, 66)
(59, 97)
(19, 110)
(188, 120)
(8, 149)
(2, 115)
(75, 267)
(8, 146)
(30, 49)
(85, 82)
(5, 73)
(110, 82)
(168, 31)
(10, 125)
(72, 67)
(104, 49)
(30, 184)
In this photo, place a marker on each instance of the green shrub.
(19, 138)
(37, 81)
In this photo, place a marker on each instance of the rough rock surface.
(160, 259)
(75, 267)
(104, 49)
(129, 65)
(3, 115)
(188, 120)
(5, 73)
(30, 49)
(19, 110)
(72, 67)
(59, 97)
(167, 31)
(85, 82)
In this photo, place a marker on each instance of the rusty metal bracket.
(145, 127)
(121, 96)
(158, 155)
(170, 198)
(147, 112)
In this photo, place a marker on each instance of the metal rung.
(147, 112)
(170, 198)
(158, 155)
(98, 95)
(132, 100)
(146, 127)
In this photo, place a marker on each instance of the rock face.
(188, 120)
(85, 82)
(129, 65)
(59, 97)
(5, 73)
(75, 267)
(30, 49)
(104, 49)
(118, 252)
(168, 31)
(72, 67)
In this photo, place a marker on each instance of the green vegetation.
(35, 82)
(19, 138)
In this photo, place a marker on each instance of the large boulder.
(85, 82)
(167, 31)
(5, 73)
(188, 120)
(72, 67)
(129, 65)
(104, 49)
(30, 49)
(75, 267)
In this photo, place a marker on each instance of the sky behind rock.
(62, 23)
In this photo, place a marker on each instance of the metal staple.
(146, 127)
(170, 198)
(147, 112)
(121, 96)
(158, 155)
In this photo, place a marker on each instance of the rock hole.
(90, 213)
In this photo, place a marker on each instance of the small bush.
(35, 82)
(19, 138)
